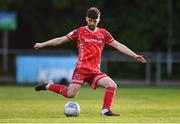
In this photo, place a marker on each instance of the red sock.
(108, 98)
(60, 89)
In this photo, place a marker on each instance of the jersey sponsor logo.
(93, 40)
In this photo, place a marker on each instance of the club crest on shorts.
(77, 76)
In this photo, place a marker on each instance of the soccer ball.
(71, 109)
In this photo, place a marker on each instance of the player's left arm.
(125, 50)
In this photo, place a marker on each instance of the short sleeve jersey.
(90, 46)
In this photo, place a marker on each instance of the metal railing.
(156, 58)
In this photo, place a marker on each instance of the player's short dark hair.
(93, 13)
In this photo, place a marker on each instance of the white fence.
(154, 58)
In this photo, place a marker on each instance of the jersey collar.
(90, 30)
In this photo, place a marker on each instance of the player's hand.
(38, 46)
(140, 58)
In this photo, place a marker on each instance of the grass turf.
(21, 104)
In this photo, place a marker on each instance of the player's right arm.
(52, 42)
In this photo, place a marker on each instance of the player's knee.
(115, 85)
(71, 95)
(112, 85)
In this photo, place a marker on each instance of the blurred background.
(149, 27)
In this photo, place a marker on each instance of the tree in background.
(142, 25)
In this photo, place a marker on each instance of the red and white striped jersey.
(90, 46)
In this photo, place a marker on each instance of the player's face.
(92, 23)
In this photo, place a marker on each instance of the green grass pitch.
(21, 104)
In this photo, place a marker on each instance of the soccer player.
(90, 41)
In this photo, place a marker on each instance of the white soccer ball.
(71, 109)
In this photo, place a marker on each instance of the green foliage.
(59, 4)
(141, 25)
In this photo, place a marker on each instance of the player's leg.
(68, 92)
(110, 92)
(73, 90)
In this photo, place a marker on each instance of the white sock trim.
(49, 83)
(104, 111)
